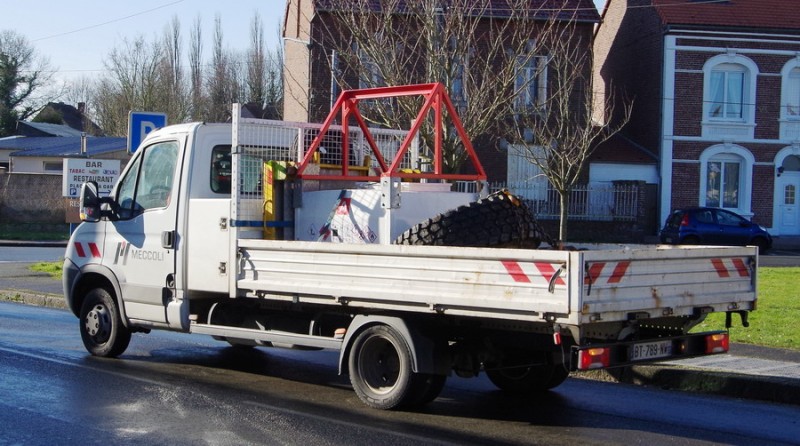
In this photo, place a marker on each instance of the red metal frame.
(346, 107)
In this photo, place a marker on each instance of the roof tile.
(765, 14)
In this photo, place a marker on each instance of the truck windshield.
(148, 183)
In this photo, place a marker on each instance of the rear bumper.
(620, 354)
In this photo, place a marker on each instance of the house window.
(791, 94)
(722, 184)
(458, 92)
(726, 172)
(53, 166)
(727, 93)
(369, 75)
(789, 195)
(530, 83)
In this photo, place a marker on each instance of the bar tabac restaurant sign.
(79, 171)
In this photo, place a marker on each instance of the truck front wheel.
(101, 326)
(381, 370)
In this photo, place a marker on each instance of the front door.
(140, 244)
(788, 206)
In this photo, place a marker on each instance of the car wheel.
(761, 243)
(691, 240)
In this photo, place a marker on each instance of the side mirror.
(90, 202)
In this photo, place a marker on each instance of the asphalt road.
(171, 388)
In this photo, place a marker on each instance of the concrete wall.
(31, 198)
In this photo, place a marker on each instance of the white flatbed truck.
(237, 231)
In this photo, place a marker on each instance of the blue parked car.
(713, 226)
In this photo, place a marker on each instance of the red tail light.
(594, 358)
(717, 343)
(685, 220)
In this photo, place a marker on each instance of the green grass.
(33, 232)
(52, 268)
(774, 323)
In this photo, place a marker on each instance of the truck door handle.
(168, 239)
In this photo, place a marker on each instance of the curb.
(703, 381)
(33, 298)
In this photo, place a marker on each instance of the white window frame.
(735, 126)
(790, 97)
(530, 79)
(790, 100)
(729, 153)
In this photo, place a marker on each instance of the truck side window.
(250, 167)
(221, 165)
(148, 184)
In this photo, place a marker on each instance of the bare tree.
(223, 83)
(468, 45)
(23, 76)
(132, 84)
(256, 62)
(82, 92)
(173, 87)
(196, 69)
(551, 125)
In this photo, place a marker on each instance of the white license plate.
(650, 350)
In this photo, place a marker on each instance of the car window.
(728, 219)
(704, 216)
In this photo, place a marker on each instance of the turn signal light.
(717, 343)
(594, 358)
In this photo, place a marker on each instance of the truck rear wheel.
(381, 371)
(528, 379)
(499, 220)
(101, 327)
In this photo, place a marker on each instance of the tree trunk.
(563, 212)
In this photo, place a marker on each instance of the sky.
(76, 36)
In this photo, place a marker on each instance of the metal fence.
(591, 202)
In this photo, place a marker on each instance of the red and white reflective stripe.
(93, 249)
(523, 273)
(729, 266)
(596, 272)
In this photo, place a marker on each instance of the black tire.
(432, 386)
(528, 379)
(101, 327)
(499, 220)
(381, 371)
(690, 240)
(761, 243)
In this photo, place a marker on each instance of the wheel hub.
(98, 322)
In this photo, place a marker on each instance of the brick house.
(309, 84)
(716, 88)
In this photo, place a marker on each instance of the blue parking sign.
(142, 123)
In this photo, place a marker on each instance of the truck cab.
(169, 192)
